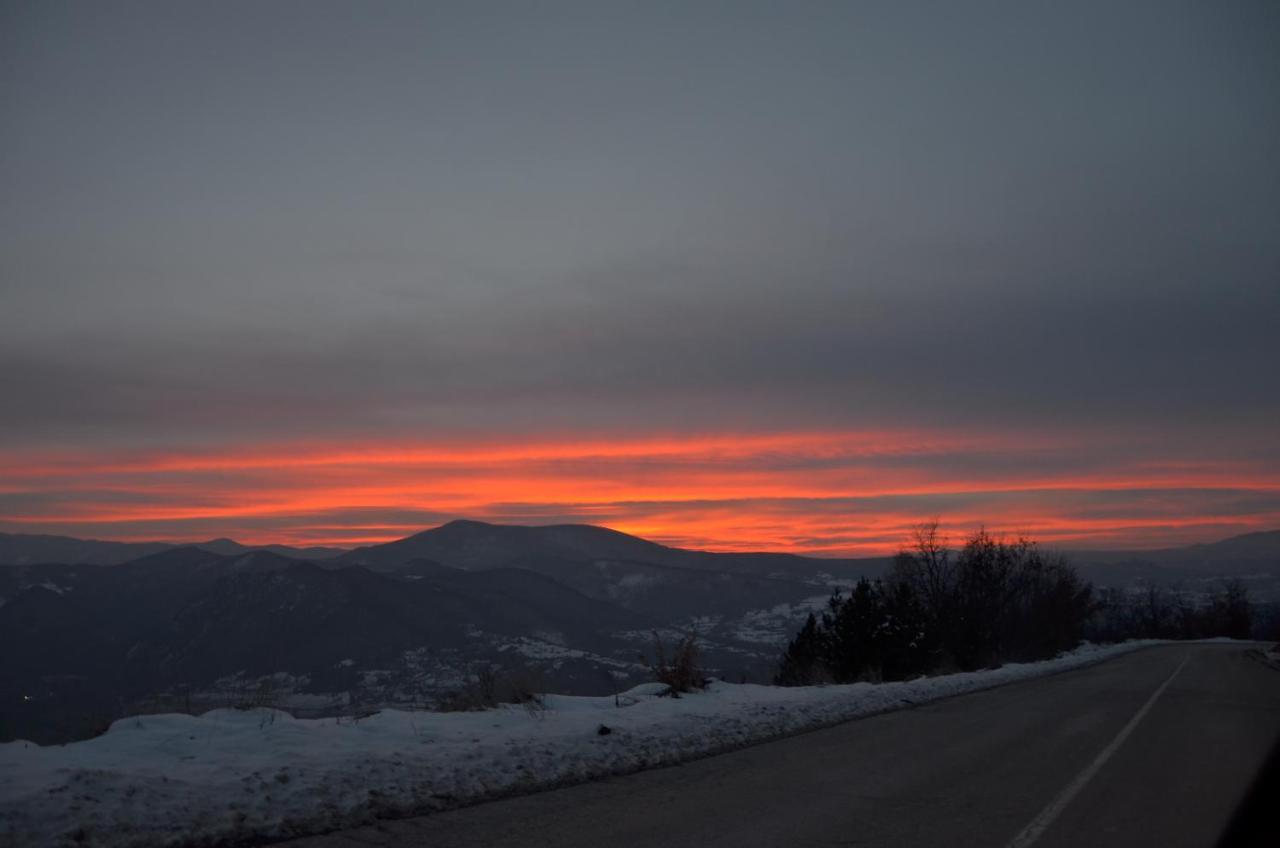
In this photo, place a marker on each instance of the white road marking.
(1040, 823)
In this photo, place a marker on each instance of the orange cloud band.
(832, 493)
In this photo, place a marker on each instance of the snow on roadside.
(233, 775)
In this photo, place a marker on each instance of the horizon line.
(197, 542)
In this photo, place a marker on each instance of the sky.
(788, 276)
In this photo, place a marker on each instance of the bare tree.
(927, 567)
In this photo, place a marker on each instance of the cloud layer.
(296, 230)
(824, 493)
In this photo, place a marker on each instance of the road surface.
(1157, 747)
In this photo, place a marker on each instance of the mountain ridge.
(33, 548)
(468, 544)
(478, 545)
(415, 618)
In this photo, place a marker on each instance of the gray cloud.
(258, 221)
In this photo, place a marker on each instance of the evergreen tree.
(801, 663)
(995, 601)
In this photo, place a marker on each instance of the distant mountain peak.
(478, 545)
(469, 522)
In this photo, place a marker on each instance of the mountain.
(671, 584)
(405, 622)
(1251, 547)
(308, 620)
(1263, 545)
(476, 545)
(411, 621)
(231, 547)
(1253, 555)
(99, 640)
(25, 549)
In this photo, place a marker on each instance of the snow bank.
(237, 775)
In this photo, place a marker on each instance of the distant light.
(26, 697)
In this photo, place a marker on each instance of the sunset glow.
(826, 493)
(720, 280)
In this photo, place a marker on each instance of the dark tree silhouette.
(991, 602)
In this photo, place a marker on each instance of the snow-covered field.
(233, 775)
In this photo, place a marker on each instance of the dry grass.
(680, 672)
(488, 686)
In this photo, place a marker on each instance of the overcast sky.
(233, 225)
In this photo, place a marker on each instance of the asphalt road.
(1158, 747)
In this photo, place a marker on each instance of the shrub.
(489, 686)
(681, 673)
